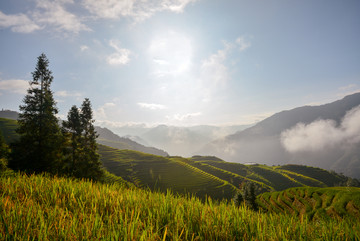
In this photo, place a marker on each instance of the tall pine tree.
(90, 159)
(73, 129)
(40, 137)
(83, 160)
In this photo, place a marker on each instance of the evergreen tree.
(246, 195)
(40, 137)
(238, 199)
(90, 162)
(83, 160)
(250, 196)
(73, 128)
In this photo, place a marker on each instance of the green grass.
(46, 208)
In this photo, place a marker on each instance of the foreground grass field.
(46, 208)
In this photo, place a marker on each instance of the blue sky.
(182, 62)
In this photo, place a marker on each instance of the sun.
(170, 53)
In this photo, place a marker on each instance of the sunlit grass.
(47, 208)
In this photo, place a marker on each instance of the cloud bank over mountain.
(322, 134)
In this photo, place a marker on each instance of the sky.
(182, 62)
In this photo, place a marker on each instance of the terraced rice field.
(160, 173)
(314, 202)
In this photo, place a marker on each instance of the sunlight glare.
(170, 53)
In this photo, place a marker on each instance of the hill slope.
(314, 202)
(8, 127)
(160, 173)
(265, 142)
(208, 176)
(108, 138)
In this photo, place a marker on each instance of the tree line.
(47, 144)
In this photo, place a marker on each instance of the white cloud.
(322, 134)
(64, 93)
(53, 13)
(177, 6)
(120, 57)
(18, 23)
(214, 73)
(348, 90)
(152, 106)
(109, 9)
(214, 69)
(15, 86)
(109, 104)
(179, 117)
(171, 53)
(348, 87)
(83, 48)
(243, 43)
(101, 112)
(136, 9)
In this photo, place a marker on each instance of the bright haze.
(182, 62)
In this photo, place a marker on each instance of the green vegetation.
(202, 176)
(314, 202)
(40, 138)
(65, 193)
(83, 159)
(161, 173)
(39, 207)
(8, 128)
(42, 146)
(328, 178)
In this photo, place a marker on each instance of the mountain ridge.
(262, 142)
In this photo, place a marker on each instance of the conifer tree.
(246, 195)
(250, 196)
(91, 165)
(40, 137)
(73, 128)
(83, 161)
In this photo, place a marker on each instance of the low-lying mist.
(323, 134)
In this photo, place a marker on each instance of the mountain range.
(176, 140)
(108, 138)
(325, 136)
